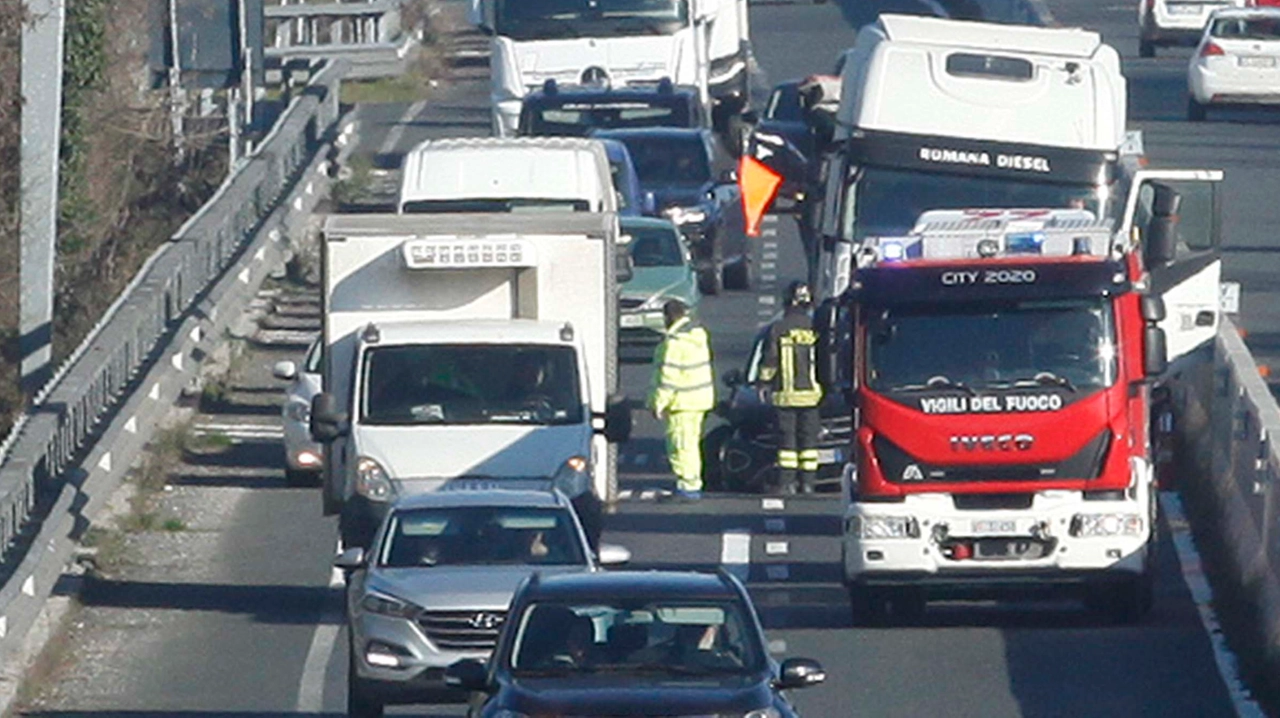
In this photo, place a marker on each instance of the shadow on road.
(288, 605)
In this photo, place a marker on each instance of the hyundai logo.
(993, 442)
(485, 621)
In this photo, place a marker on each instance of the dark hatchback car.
(557, 111)
(634, 644)
(739, 455)
(694, 185)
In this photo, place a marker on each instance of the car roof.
(632, 584)
(1246, 12)
(505, 498)
(672, 132)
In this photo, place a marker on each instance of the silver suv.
(436, 583)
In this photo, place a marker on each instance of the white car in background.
(1174, 22)
(1237, 61)
(303, 456)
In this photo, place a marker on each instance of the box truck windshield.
(1067, 344)
(889, 201)
(554, 19)
(471, 384)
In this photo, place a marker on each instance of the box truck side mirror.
(327, 423)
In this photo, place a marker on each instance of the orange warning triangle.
(759, 185)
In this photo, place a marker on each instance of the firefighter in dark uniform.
(790, 374)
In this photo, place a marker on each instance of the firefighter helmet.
(798, 294)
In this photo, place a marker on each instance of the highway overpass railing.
(1229, 436)
(369, 35)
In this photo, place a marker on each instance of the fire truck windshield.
(557, 19)
(1068, 345)
(887, 202)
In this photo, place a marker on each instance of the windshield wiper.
(551, 672)
(1049, 378)
(937, 382)
(653, 27)
(670, 668)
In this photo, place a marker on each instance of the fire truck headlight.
(884, 527)
(1099, 525)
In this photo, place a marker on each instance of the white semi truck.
(473, 350)
(622, 43)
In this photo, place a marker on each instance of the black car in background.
(694, 183)
(576, 111)
(739, 455)
(653, 643)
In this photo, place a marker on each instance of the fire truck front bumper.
(1060, 538)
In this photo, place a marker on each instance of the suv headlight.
(384, 604)
(1113, 524)
(573, 478)
(685, 215)
(372, 481)
(884, 527)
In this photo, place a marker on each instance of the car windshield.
(1067, 344)
(679, 159)
(1251, 28)
(636, 637)
(654, 246)
(887, 202)
(578, 119)
(471, 384)
(556, 19)
(471, 535)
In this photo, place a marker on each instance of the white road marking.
(1193, 575)
(771, 219)
(773, 504)
(770, 256)
(735, 552)
(776, 548)
(393, 137)
(769, 232)
(769, 277)
(767, 266)
(767, 299)
(624, 494)
(311, 688)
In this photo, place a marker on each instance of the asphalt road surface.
(259, 633)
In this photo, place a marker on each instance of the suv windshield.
(888, 202)
(654, 246)
(473, 535)
(636, 637)
(551, 19)
(578, 119)
(680, 159)
(1009, 345)
(471, 384)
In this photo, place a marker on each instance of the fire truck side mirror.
(1153, 308)
(1162, 233)
(1156, 357)
(826, 322)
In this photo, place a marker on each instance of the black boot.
(807, 480)
(786, 481)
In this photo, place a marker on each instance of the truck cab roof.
(453, 175)
(1058, 87)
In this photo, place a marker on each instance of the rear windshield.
(580, 118)
(1239, 28)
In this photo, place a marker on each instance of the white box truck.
(472, 350)
(622, 43)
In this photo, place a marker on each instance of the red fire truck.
(1000, 365)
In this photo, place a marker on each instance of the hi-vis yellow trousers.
(684, 450)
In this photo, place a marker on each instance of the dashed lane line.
(393, 137)
(311, 688)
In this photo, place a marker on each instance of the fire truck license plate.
(999, 527)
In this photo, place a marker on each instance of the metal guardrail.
(368, 35)
(1232, 427)
(101, 372)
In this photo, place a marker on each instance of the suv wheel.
(359, 703)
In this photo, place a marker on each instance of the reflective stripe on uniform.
(798, 370)
(809, 460)
(788, 459)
